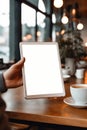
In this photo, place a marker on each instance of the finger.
(20, 62)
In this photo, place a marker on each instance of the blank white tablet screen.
(42, 70)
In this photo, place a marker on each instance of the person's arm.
(12, 77)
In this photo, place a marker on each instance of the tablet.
(42, 75)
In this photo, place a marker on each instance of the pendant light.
(64, 19)
(80, 26)
(58, 3)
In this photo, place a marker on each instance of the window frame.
(16, 29)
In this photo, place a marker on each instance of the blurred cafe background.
(63, 21)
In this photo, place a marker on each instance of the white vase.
(71, 65)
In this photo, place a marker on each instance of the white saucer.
(71, 102)
(66, 77)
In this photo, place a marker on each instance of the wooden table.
(48, 110)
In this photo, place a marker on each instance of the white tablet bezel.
(55, 94)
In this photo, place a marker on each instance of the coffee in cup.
(79, 93)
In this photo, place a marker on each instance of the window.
(35, 21)
(41, 24)
(28, 23)
(4, 30)
(25, 25)
(41, 5)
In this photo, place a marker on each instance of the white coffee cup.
(79, 93)
(79, 73)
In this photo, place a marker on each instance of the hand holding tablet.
(42, 75)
